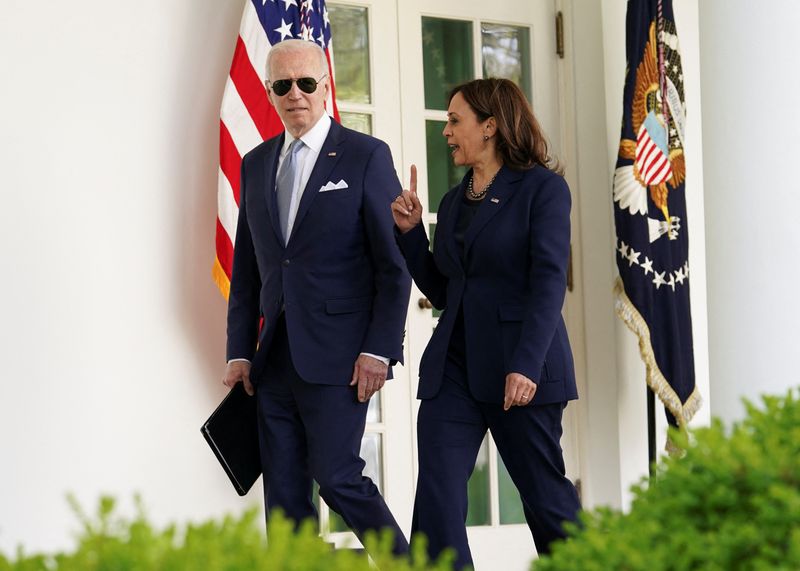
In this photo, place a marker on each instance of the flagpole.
(651, 430)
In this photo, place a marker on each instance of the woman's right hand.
(406, 208)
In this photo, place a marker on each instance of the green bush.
(730, 503)
(109, 542)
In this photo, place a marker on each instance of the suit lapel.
(497, 197)
(330, 154)
(270, 172)
(447, 224)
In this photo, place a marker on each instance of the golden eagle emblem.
(658, 118)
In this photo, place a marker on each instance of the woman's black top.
(456, 352)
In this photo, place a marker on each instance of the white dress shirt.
(305, 159)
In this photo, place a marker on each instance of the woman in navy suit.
(500, 357)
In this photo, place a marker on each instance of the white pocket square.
(330, 185)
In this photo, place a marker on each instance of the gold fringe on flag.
(222, 281)
(626, 311)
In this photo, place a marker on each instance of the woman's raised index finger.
(413, 179)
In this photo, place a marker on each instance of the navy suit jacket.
(340, 279)
(511, 285)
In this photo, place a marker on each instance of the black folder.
(232, 433)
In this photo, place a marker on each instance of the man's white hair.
(288, 46)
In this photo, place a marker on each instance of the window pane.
(371, 449)
(431, 231)
(507, 53)
(510, 502)
(336, 523)
(350, 52)
(361, 122)
(371, 452)
(374, 409)
(478, 489)
(442, 173)
(446, 58)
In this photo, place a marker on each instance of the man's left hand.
(370, 375)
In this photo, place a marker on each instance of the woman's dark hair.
(520, 140)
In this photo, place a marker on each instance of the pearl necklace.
(479, 195)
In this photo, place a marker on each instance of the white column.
(750, 124)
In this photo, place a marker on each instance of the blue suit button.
(285, 263)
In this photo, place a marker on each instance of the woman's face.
(465, 134)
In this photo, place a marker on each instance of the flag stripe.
(252, 91)
(228, 211)
(653, 160)
(654, 166)
(330, 104)
(229, 160)
(255, 40)
(237, 118)
(224, 249)
(648, 149)
(663, 173)
(642, 149)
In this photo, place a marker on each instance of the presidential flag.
(247, 118)
(652, 245)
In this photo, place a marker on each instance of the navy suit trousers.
(310, 431)
(451, 427)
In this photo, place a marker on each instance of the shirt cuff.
(384, 360)
(234, 360)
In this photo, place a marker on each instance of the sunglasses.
(306, 84)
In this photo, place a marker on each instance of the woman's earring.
(486, 137)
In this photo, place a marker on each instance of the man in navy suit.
(315, 257)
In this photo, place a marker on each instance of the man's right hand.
(237, 371)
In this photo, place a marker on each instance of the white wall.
(112, 334)
(751, 121)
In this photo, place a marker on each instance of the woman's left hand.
(519, 390)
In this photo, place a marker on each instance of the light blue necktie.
(285, 186)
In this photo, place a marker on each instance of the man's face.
(298, 110)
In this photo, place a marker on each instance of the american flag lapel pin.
(496, 200)
(332, 154)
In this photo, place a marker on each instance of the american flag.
(247, 118)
